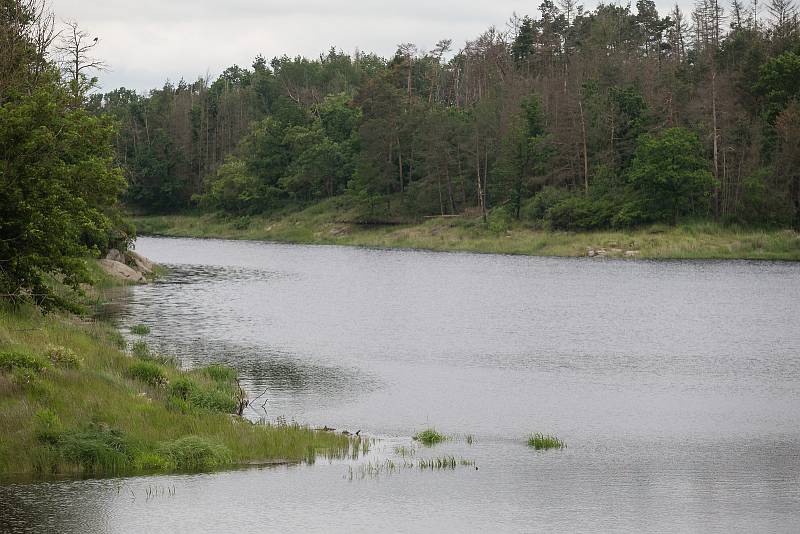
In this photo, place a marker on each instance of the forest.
(566, 118)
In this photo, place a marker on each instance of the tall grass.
(108, 415)
(331, 222)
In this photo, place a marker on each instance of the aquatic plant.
(543, 442)
(140, 329)
(429, 437)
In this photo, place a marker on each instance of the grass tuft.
(140, 329)
(543, 442)
(429, 437)
(150, 373)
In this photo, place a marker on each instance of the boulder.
(121, 271)
(140, 263)
(115, 255)
(631, 253)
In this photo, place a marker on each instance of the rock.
(140, 263)
(121, 271)
(115, 255)
(631, 253)
(591, 253)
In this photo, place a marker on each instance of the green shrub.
(193, 453)
(537, 207)
(14, 360)
(580, 213)
(429, 437)
(63, 357)
(148, 372)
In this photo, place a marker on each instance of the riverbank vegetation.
(73, 402)
(330, 223)
(609, 120)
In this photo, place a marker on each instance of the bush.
(63, 357)
(580, 213)
(537, 207)
(14, 360)
(148, 372)
(193, 453)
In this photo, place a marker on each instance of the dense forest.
(577, 119)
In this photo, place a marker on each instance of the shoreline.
(77, 400)
(692, 241)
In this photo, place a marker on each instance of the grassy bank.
(330, 223)
(72, 401)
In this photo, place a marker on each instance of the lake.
(676, 386)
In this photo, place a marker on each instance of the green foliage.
(779, 83)
(48, 426)
(63, 357)
(537, 207)
(58, 191)
(429, 437)
(671, 175)
(15, 360)
(220, 373)
(579, 212)
(150, 373)
(544, 442)
(195, 453)
(140, 329)
(96, 448)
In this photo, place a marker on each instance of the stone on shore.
(121, 271)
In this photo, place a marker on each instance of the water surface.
(675, 385)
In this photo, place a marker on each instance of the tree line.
(577, 119)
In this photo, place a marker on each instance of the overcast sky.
(146, 42)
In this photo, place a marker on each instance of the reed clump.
(429, 437)
(541, 441)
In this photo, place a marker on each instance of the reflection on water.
(675, 384)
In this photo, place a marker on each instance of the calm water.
(675, 384)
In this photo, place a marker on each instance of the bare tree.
(76, 49)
